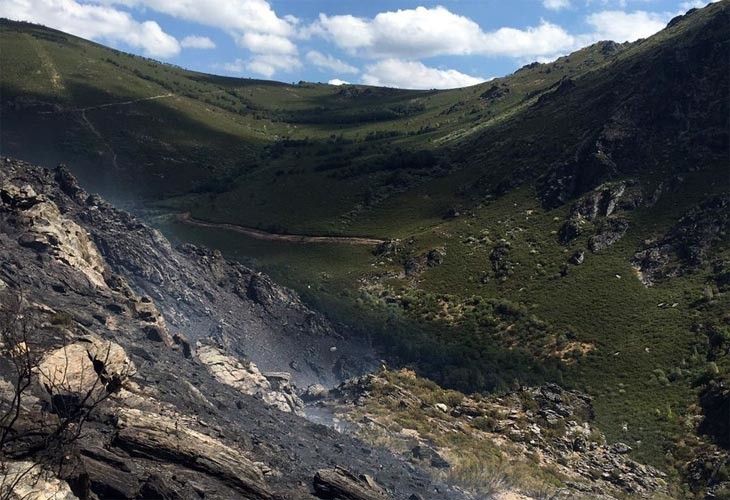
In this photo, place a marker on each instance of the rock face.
(176, 279)
(639, 115)
(597, 211)
(684, 248)
(165, 335)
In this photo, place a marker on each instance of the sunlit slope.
(124, 119)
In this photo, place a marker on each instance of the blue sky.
(399, 43)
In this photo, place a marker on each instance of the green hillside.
(568, 222)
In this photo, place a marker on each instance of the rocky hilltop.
(133, 362)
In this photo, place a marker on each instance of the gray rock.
(315, 392)
(620, 448)
(684, 248)
(340, 484)
(578, 257)
(609, 232)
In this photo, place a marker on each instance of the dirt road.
(289, 238)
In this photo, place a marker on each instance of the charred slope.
(156, 336)
(197, 291)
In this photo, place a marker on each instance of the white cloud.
(545, 39)
(269, 64)
(415, 75)
(235, 15)
(348, 32)
(252, 23)
(271, 39)
(621, 26)
(556, 4)
(259, 43)
(97, 22)
(237, 67)
(265, 65)
(337, 81)
(326, 61)
(426, 32)
(694, 4)
(197, 42)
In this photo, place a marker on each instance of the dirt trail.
(48, 65)
(125, 103)
(106, 143)
(289, 238)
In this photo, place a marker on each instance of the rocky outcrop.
(502, 265)
(415, 265)
(274, 389)
(567, 179)
(168, 439)
(608, 232)
(607, 199)
(340, 484)
(388, 248)
(46, 230)
(563, 87)
(596, 212)
(686, 246)
(495, 92)
(708, 471)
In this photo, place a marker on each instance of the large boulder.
(83, 372)
(274, 388)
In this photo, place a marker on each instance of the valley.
(566, 224)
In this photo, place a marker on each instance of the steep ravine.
(173, 331)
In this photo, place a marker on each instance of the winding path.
(125, 103)
(258, 234)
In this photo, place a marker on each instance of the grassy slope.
(228, 129)
(216, 148)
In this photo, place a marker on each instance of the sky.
(396, 43)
